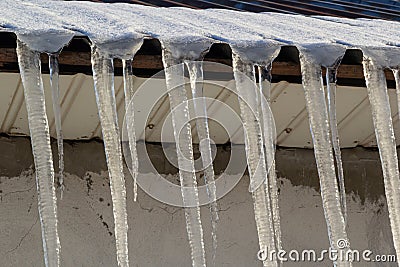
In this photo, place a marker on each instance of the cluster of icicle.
(257, 122)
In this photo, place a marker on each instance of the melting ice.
(55, 91)
(245, 84)
(174, 76)
(196, 84)
(331, 96)
(319, 125)
(377, 92)
(103, 75)
(130, 119)
(107, 24)
(29, 64)
(268, 127)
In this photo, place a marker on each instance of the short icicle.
(381, 115)
(319, 126)
(196, 82)
(130, 121)
(396, 74)
(174, 75)
(29, 64)
(55, 92)
(269, 143)
(103, 75)
(245, 84)
(331, 93)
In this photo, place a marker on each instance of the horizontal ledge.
(154, 62)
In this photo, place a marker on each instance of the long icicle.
(244, 77)
(378, 97)
(103, 75)
(130, 121)
(29, 64)
(319, 126)
(269, 143)
(331, 93)
(200, 108)
(174, 76)
(55, 91)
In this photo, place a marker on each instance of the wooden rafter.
(154, 62)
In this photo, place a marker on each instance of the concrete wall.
(157, 235)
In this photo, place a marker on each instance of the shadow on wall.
(363, 173)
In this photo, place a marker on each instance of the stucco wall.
(157, 234)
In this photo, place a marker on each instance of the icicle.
(381, 115)
(269, 143)
(183, 138)
(396, 73)
(243, 74)
(331, 93)
(130, 119)
(319, 126)
(103, 75)
(29, 64)
(55, 91)
(200, 108)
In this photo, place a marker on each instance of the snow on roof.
(47, 26)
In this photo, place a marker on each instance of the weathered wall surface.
(157, 234)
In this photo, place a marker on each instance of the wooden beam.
(8, 55)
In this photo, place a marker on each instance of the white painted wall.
(80, 120)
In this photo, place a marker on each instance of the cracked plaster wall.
(157, 233)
